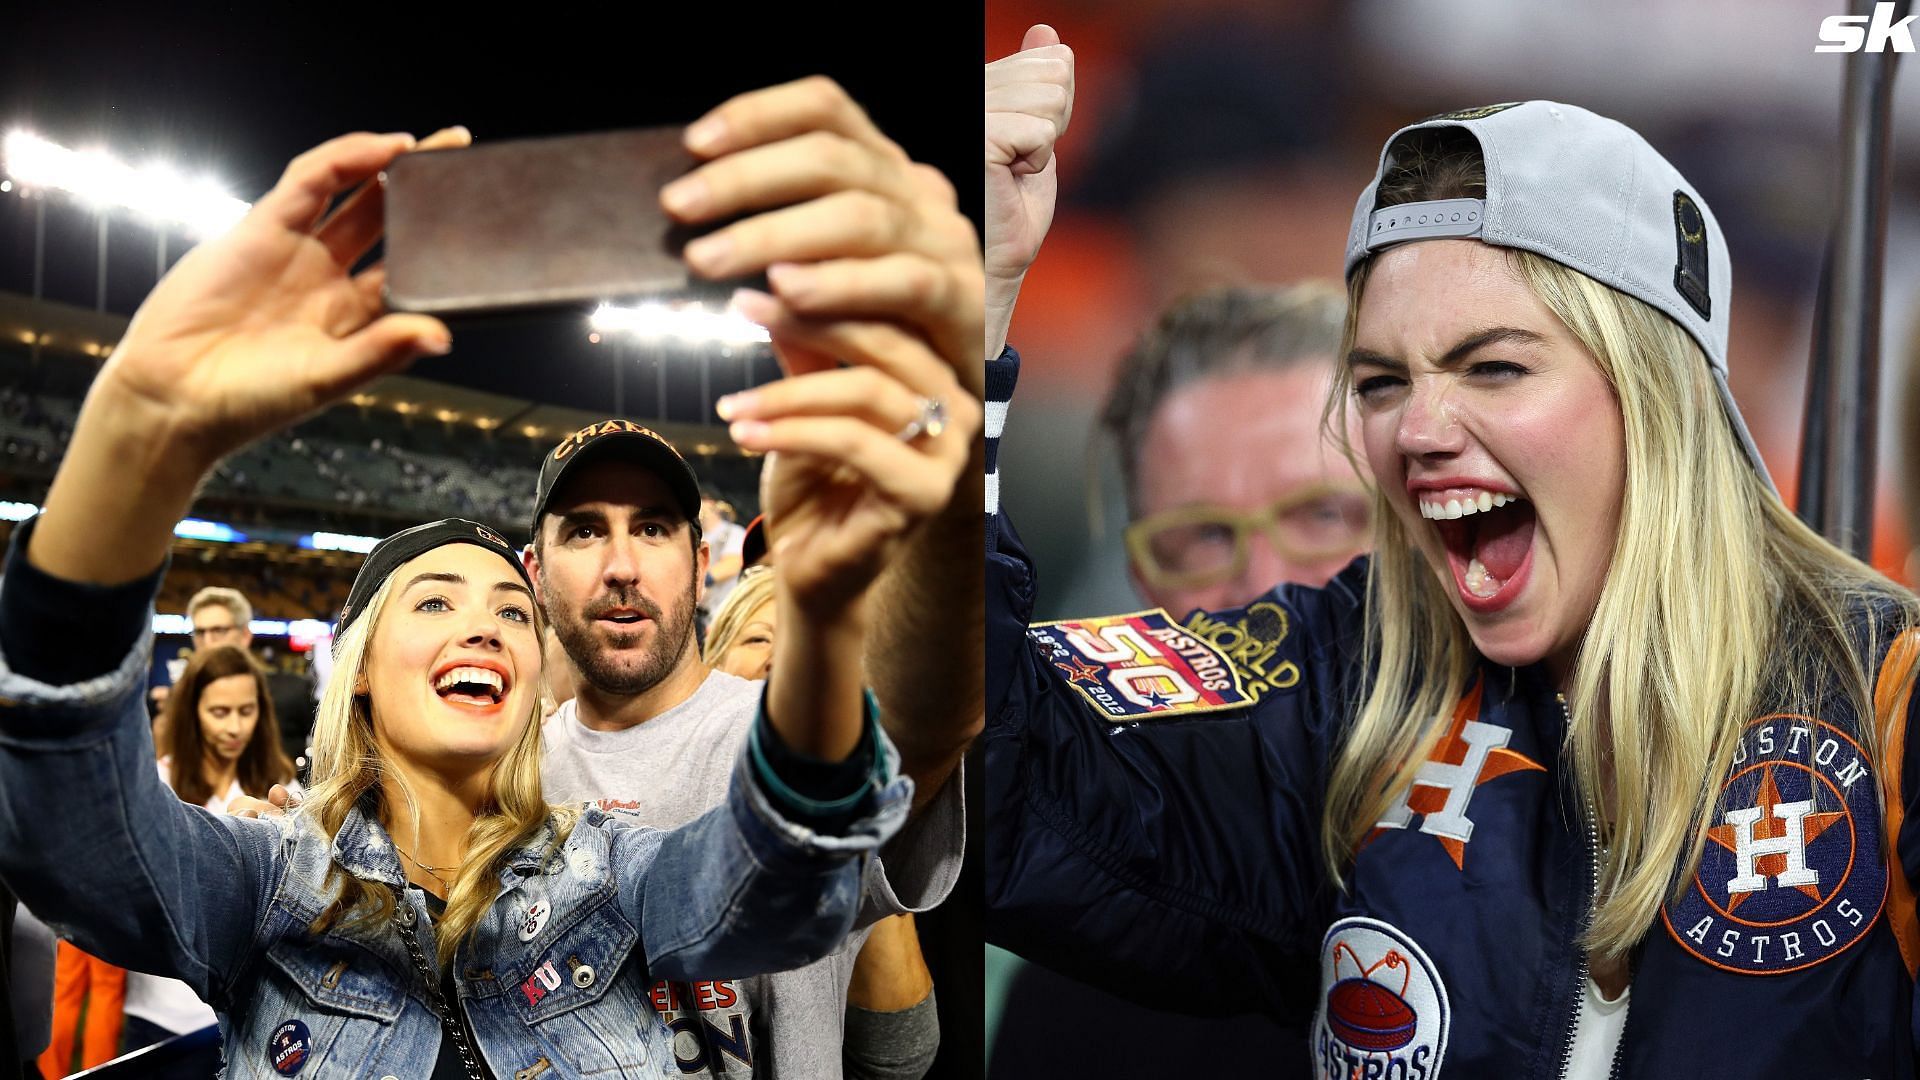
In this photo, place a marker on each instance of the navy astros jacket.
(1154, 821)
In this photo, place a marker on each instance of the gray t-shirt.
(673, 768)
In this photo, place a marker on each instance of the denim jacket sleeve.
(95, 843)
(746, 889)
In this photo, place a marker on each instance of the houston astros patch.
(1383, 1007)
(1140, 665)
(1791, 874)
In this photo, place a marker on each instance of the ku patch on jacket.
(1792, 874)
(1383, 1006)
(1140, 665)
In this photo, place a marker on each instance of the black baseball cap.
(396, 550)
(627, 439)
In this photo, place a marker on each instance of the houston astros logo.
(1471, 753)
(1383, 1010)
(1791, 875)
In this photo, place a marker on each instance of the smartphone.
(537, 223)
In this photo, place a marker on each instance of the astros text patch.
(1140, 665)
(1791, 875)
(1383, 1006)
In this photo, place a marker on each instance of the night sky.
(238, 90)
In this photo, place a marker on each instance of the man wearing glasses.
(220, 617)
(1232, 486)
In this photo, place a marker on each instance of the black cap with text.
(404, 546)
(626, 439)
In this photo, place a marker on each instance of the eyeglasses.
(1196, 546)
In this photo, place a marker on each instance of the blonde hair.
(348, 768)
(1718, 603)
(756, 585)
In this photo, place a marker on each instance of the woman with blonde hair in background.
(740, 639)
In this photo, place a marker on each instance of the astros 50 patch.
(1140, 665)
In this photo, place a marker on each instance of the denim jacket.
(553, 978)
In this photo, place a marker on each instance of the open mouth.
(1489, 542)
(621, 620)
(476, 687)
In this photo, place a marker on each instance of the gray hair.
(231, 599)
(1220, 331)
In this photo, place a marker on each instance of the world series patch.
(1792, 874)
(1140, 665)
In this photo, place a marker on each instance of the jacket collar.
(365, 850)
(362, 848)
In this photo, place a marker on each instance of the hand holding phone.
(844, 223)
(533, 223)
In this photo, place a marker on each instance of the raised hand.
(248, 333)
(843, 490)
(1029, 102)
(265, 324)
(848, 226)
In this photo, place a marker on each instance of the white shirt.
(727, 539)
(1596, 1039)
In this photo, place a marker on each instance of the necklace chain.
(432, 871)
(452, 1022)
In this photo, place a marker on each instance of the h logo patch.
(1471, 753)
(1457, 781)
(1792, 843)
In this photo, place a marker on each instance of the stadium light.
(196, 529)
(332, 541)
(688, 321)
(307, 631)
(16, 511)
(159, 192)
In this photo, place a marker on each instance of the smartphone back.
(530, 223)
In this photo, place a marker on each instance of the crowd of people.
(1492, 712)
(667, 865)
(1597, 754)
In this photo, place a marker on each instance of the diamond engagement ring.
(931, 421)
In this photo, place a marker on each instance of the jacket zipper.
(1593, 895)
